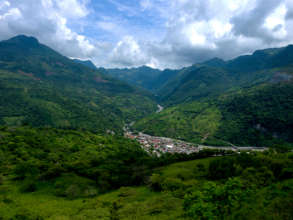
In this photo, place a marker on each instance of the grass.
(127, 202)
(132, 203)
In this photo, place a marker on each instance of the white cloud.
(4, 4)
(128, 52)
(48, 21)
(12, 13)
(275, 22)
(159, 33)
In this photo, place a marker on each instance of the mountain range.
(63, 154)
(40, 87)
(244, 101)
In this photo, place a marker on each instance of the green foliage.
(177, 191)
(222, 168)
(95, 163)
(214, 77)
(29, 185)
(51, 173)
(72, 186)
(40, 87)
(156, 182)
(257, 116)
(215, 201)
(145, 77)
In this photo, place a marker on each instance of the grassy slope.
(133, 202)
(136, 202)
(139, 202)
(65, 174)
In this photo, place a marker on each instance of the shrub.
(156, 181)
(222, 168)
(72, 186)
(28, 185)
(172, 184)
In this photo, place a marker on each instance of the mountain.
(40, 87)
(216, 76)
(87, 63)
(79, 173)
(144, 77)
(245, 101)
(259, 116)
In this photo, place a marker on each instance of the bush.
(156, 181)
(72, 186)
(1, 180)
(28, 185)
(286, 173)
(215, 201)
(172, 184)
(222, 168)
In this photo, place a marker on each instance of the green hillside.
(87, 63)
(57, 174)
(40, 87)
(213, 77)
(144, 77)
(261, 115)
(63, 156)
(244, 101)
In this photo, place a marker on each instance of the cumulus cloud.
(48, 21)
(158, 33)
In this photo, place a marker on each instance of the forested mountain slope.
(261, 115)
(40, 87)
(216, 76)
(144, 77)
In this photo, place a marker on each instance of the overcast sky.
(157, 33)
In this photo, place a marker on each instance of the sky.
(157, 33)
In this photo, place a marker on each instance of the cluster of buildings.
(159, 145)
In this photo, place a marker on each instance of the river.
(160, 108)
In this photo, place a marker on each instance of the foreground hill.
(40, 87)
(56, 174)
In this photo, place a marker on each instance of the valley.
(207, 141)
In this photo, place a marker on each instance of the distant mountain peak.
(87, 63)
(215, 62)
(23, 39)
